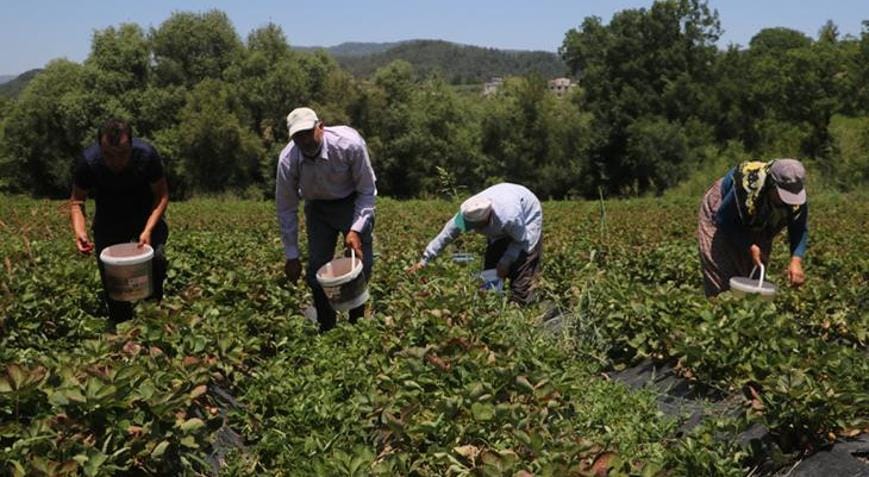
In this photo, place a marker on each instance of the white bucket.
(343, 282)
(128, 271)
(742, 286)
(491, 280)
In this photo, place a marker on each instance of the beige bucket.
(344, 283)
(128, 271)
(746, 286)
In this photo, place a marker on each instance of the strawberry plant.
(440, 379)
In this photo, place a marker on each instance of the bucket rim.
(739, 283)
(146, 255)
(342, 279)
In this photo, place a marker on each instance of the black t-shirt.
(124, 200)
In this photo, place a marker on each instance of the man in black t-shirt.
(131, 193)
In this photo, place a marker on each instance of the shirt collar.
(324, 149)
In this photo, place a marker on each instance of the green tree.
(646, 63)
(382, 113)
(45, 131)
(777, 40)
(738, 113)
(442, 133)
(794, 87)
(269, 79)
(215, 151)
(532, 137)
(190, 47)
(123, 57)
(861, 72)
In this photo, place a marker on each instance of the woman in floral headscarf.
(741, 214)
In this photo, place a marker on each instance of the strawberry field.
(227, 376)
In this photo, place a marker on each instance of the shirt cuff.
(359, 225)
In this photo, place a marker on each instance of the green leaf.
(159, 449)
(95, 461)
(482, 412)
(74, 394)
(57, 398)
(192, 424)
(146, 390)
(523, 383)
(198, 391)
(19, 470)
(16, 375)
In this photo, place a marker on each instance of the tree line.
(657, 101)
(458, 64)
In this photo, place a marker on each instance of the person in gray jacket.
(511, 218)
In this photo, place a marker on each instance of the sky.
(35, 32)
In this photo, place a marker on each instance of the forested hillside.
(351, 48)
(645, 117)
(457, 64)
(16, 84)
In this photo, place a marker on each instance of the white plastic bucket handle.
(762, 273)
(352, 258)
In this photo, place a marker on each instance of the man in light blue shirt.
(510, 217)
(329, 167)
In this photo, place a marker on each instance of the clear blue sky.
(34, 32)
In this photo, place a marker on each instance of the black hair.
(113, 130)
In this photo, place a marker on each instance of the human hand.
(144, 238)
(293, 269)
(83, 243)
(796, 276)
(503, 270)
(353, 241)
(755, 255)
(415, 267)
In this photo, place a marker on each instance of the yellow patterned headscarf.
(751, 178)
(756, 212)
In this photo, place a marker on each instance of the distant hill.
(353, 48)
(13, 88)
(7, 78)
(459, 64)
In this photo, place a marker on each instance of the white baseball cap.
(474, 212)
(301, 119)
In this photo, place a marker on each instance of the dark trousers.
(326, 220)
(524, 271)
(120, 310)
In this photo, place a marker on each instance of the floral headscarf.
(750, 181)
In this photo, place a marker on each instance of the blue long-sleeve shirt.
(731, 223)
(516, 213)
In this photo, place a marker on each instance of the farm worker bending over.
(511, 218)
(329, 168)
(126, 174)
(742, 213)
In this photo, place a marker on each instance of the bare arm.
(79, 223)
(160, 191)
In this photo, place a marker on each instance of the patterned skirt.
(720, 258)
